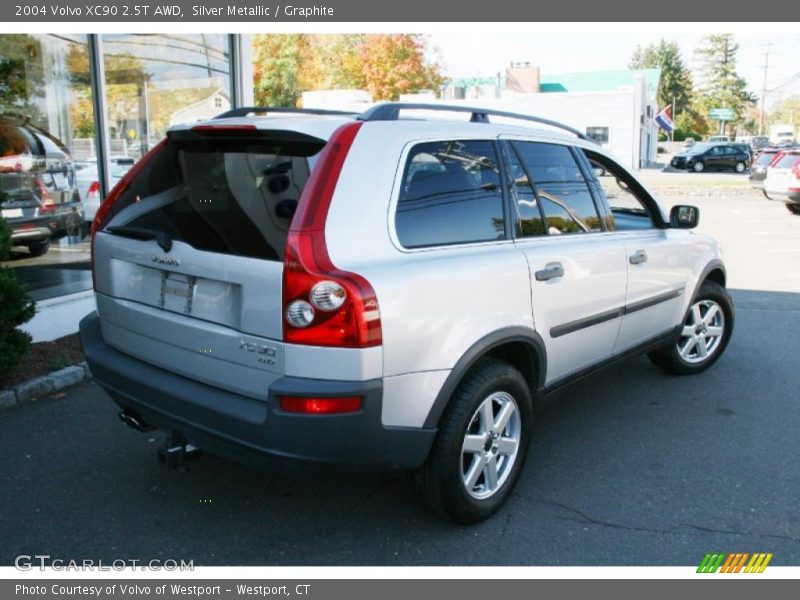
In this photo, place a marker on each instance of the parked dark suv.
(701, 157)
(38, 191)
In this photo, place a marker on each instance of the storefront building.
(77, 112)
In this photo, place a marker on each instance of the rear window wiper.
(140, 233)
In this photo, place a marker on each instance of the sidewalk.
(57, 317)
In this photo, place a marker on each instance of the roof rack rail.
(390, 111)
(243, 111)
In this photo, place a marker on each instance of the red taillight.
(796, 169)
(94, 190)
(48, 202)
(355, 323)
(320, 406)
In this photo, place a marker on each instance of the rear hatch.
(782, 175)
(188, 265)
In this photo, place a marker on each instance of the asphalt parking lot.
(627, 467)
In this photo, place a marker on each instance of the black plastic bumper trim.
(249, 430)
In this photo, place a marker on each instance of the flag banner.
(664, 119)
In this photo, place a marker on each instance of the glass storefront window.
(49, 182)
(156, 81)
(46, 133)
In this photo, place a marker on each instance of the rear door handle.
(638, 257)
(550, 271)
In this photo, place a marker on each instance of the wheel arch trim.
(714, 265)
(529, 337)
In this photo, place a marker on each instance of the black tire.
(439, 480)
(740, 167)
(698, 167)
(669, 358)
(793, 208)
(39, 248)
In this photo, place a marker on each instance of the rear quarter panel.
(434, 303)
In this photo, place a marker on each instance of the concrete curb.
(30, 390)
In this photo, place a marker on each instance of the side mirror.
(683, 216)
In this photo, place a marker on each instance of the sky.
(465, 55)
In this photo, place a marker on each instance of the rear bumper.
(33, 234)
(788, 196)
(249, 430)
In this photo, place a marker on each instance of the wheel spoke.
(474, 472)
(697, 318)
(502, 419)
(491, 473)
(710, 314)
(714, 331)
(506, 445)
(474, 443)
(487, 416)
(688, 331)
(688, 346)
(702, 349)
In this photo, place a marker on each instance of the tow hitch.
(177, 450)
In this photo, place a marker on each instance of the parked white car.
(376, 290)
(783, 179)
(89, 184)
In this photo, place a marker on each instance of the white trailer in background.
(781, 132)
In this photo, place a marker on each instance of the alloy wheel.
(702, 332)
(491, 444)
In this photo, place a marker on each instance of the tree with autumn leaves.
(384, 65)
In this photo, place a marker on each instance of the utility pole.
(764, 91)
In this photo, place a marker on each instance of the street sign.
(721, 114)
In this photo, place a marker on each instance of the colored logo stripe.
(711, 563)
(758, 563)
(734, 562)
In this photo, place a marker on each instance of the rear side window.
(450, 194)
(562, 191)
(765, 158)
(233, 197)
(787, 161)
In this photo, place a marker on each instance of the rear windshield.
(233, 196)
(765, 158)
(787, 161)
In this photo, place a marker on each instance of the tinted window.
(529, 221)
(561, 189)
(765, 158)
(629, 209)
(787, 161)
(450, 194)
(234, 197)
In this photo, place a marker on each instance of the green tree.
(676, 79)
(385, 65)
(16, 308)
(396, 64)
(21, 76)
(786, 111)
(720, 86)
(276, 68)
